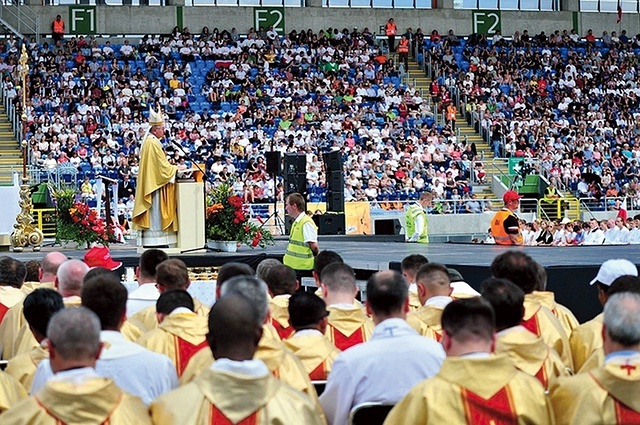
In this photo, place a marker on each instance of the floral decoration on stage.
(228, 219)
(78, 223)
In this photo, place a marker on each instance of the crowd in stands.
(153, 353)
(230, 99)
(568, 101)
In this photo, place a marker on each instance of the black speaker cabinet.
(273, 162)
(330, 223)
(295, 164)
(332, 161)
(389, 226)
(335, 181)
(335, 200)
(288, 221)
(295, 183)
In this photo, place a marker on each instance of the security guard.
(416, 218)
(505, 227)
(303, 238)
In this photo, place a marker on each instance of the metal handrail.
(23, 16)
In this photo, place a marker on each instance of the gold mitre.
(156, 117)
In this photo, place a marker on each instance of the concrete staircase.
(19, 19)
(419, 80)
(10, 154)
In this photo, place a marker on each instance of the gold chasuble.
(605, 395)
(29, 287)
(9, 296)
(179, 337)
(97, 401)
(347, 328)
(156, 174)
(530, 354)
(279, 312)
(585, 340)
(426, 321)
(541, 321)
(316, 354)
(11, 392)
(221, 398)
(23, 366)
(564, 315)
(475, 391)
(146, 319)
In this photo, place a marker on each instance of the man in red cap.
(505, 227)
(99, 256)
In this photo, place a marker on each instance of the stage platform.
(570, 269)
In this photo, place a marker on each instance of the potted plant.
(228, 223)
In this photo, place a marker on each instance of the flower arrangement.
(77, 222)
(227, 219)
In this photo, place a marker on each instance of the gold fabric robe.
(220, 397)
(155, 173)
(97, 401)
(179, 337)
(11, 392)
(541, 321)
(347, 328)
(585, 340)
(564, 315)
(23, 366)
(474, 391)
(9, 296)
(605, 395)
(29, 287)
(279, 312)
(282, 363)
(530, 354)
(414, 301)
(316, 354)
(146, 320)
(426, 321)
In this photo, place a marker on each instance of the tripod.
(277, 220)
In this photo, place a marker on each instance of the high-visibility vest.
(298, 255)
(451, 113)
(58, 26)
(390, 28)
(497, 228)
(412, 212)
(403, 46)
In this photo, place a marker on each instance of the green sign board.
(486, 22)
(82, 19)
(267, 16)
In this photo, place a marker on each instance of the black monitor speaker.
(273, 162)
(389, 226)
(335, 200)
(330, 223)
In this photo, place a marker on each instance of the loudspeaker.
(295, 183)
(387, 227)
(330, 223)
(273, 162)
(294, 163)
(335, 200)
(335, 181)
(332, 161)
(288, 221)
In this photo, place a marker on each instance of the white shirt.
(135, 369)
(594, 237)
(381, 370)
(143, 296)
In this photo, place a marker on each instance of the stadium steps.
(10, 154)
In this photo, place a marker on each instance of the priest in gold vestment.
(308, 316)
(527, 351)
(409, 267)
(236, 388)
(473, 386)
(282, 283)
(434, 286)
(76, 394)
(155, 207)
(39, 307)
(181, 333)
(607, 394)
(11, 392)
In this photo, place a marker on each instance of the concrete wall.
(150, 19)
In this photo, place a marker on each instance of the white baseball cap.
(610, 270)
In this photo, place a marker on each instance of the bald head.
(49, 266)
(70, 276)
(235, 328)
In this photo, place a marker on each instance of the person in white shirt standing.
(146, 294)
(386, 367)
